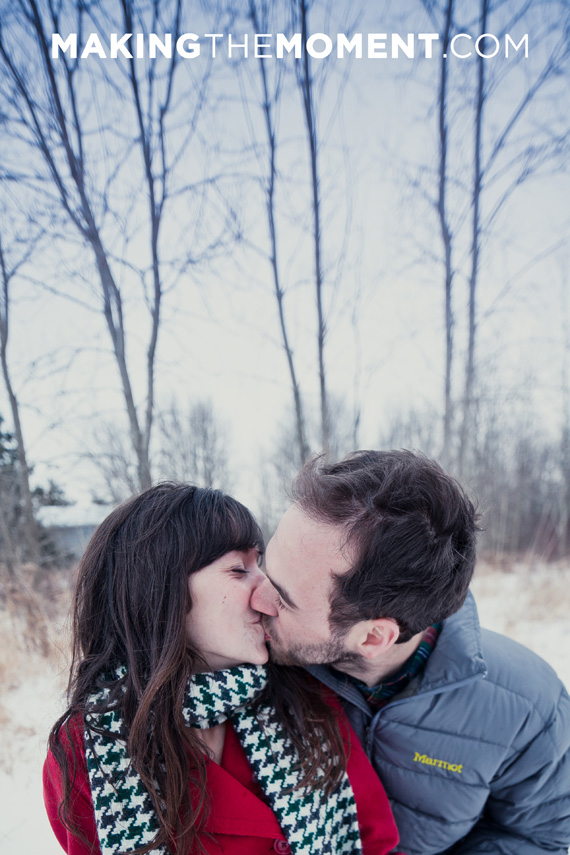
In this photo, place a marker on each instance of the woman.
(172, 744)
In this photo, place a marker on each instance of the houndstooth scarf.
(125, 816)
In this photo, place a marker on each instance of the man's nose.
(263, 598)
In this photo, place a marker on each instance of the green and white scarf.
(125, 816)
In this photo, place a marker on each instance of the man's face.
(300, 561)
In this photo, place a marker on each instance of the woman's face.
(221, 624)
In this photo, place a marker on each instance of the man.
(367, 586)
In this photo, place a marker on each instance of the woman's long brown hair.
(131, 607)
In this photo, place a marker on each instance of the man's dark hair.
(410, 528)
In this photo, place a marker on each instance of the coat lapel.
(235, 807)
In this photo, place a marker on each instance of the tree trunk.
(279, 296)
(30, 527)
(306, 84)
(447, 240)
(466, 439)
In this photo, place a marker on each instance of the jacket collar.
(457, 659)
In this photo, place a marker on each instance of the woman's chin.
(261, 657)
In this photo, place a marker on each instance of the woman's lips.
(260, 625)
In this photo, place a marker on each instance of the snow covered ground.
(31, 699)
(532, 605)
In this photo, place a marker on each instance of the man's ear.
(376, 637)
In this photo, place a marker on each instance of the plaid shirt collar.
(378, 696)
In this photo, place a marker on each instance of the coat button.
(282, 847)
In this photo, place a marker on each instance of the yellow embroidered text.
(442, 764)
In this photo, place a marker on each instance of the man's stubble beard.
(333, 652)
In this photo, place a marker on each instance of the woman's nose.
(263, 598)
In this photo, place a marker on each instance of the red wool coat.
(240, 821)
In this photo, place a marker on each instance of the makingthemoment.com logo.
(281, 46)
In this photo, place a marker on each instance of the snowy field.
(532, 605)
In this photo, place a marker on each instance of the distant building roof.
(72, 516)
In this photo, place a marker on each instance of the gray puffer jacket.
(475, 753)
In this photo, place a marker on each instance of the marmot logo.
(442, 764)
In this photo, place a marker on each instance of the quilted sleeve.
(528, 810)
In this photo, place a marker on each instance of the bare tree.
(446, 232)
(112, 455)
(157, 125)
(270, 100)
(306, 85)
(466, 427)
(9, 271)
(510, 156)
(564, 493)
(10, 508)
(273, 80)
(507, 148)
(194, 445)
